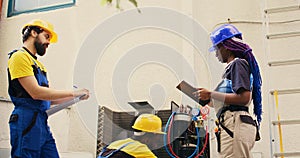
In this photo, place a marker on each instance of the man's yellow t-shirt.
(22, 63)
(135, 149)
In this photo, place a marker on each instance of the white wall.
(88, 22)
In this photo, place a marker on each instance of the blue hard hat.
(223, 33)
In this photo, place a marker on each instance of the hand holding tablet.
(187, 89)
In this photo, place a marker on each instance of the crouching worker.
(139, 146)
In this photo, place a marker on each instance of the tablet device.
(187, 89)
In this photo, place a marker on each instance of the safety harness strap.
(220, 122)
(229, 132)
(107, 156)
(231, 108)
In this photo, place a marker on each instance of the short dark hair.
(27, 30)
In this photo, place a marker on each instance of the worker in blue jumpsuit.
(31, 95)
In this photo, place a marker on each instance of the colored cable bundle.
(167, 140)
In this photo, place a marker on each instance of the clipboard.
(187, 89)
(63, 105)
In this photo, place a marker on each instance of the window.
(16, 7)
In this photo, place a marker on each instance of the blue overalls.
(29, 132)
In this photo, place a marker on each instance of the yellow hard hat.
(148, 123)
(44, 25)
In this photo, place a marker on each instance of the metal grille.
(117, 125)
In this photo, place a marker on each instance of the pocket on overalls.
(247, 128)
(13, 126)
(31, 134)
(247, 119)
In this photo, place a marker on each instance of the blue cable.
(165, 138)
(165, 135)
(198, 142)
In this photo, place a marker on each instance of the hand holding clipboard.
(189, 90)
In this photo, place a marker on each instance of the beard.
(40, 47)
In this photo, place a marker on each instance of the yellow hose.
(279, 125)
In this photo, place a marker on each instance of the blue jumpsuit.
(29, 130)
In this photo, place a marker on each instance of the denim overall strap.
(110, 154)
(39, 105)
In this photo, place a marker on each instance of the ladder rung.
(286, 91)
(283, 35)
(287, 154)
(284, 62)
(286, 122)
(282, 9)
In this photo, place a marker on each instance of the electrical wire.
(205, 144)
(198, 143)
(165, 136)
(167, 139)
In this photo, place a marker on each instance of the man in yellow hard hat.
(147, 135)
(30, 93)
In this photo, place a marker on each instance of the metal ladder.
(279, 34)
